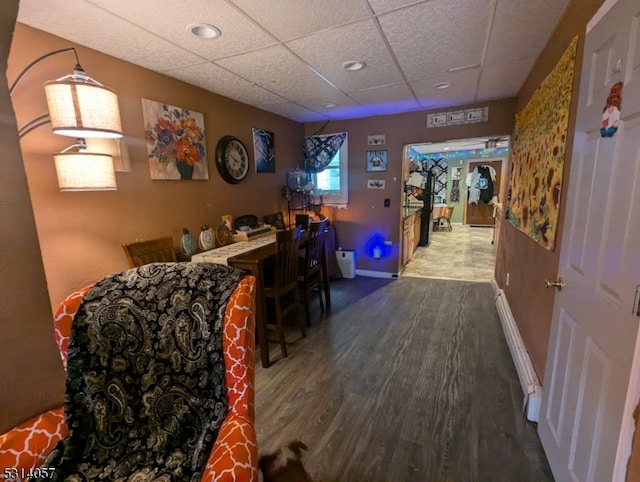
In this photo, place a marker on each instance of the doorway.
(467, 251)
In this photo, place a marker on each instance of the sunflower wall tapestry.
(175, 142)
(538, 154)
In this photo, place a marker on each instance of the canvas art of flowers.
(175, 142)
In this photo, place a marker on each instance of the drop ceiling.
(286, 56)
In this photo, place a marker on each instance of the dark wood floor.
(406, 380)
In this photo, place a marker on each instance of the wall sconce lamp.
(78, 170)
(80, 107)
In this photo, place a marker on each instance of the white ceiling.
(285, 56)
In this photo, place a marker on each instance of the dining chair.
(282, 288)
(275, 219)
(150, 251)
(310, 277)
(447, 217)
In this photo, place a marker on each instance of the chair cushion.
(145, 393)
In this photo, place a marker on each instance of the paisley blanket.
(145, 393)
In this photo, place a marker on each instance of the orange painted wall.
(81, 233)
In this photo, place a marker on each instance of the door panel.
(586, 411)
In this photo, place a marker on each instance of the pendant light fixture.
(78, 170)
(80, 107)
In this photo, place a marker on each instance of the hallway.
(464, 254)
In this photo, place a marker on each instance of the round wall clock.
(232, 159)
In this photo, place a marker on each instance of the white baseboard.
(376, 274)
(531, 386)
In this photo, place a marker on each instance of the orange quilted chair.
(234, 456)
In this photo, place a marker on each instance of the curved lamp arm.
(39, 59)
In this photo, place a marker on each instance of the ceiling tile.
(344, 106)
(328, 50)
(130, 43)
(295, 112)
(382, 6)
(387, 99)
(463, 90)
(238, 33)
(502, 80)
(278, 70)
(516, 28)
(215, 79)
(297, 18)
(431, 37)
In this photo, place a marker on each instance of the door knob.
(555, 284)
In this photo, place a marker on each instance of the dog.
(285, 464)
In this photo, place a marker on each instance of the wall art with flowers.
(175, 142)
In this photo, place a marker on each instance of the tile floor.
(465, 253)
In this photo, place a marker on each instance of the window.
(332, 183)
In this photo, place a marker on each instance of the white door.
(586, 411)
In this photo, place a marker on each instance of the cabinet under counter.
(411, 222)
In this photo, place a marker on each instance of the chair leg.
(307, 302)
(301, 321)
(321, 296)
(280, 324)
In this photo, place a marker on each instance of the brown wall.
(366, 215)
(81, 233)
(25, 316)
(526, 261)
(77, 237)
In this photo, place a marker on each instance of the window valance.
(320, 150)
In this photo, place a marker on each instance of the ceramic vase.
(206, 240)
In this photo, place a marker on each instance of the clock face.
(232, 159)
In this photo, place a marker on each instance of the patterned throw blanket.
(145, 393)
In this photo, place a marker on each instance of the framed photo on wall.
(264, 150)
(376, 161)
(376, 183)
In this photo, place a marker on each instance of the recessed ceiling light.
(442, 85)
(203, 30)
(354, 65)
(329, 105)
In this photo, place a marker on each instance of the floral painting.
(175, 142)
(264, 150)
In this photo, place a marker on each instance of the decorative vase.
(206, 241)
(185, 170)
(188, 244)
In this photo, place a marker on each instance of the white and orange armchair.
(234, 456)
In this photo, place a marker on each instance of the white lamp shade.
(85, 171)
(83, 109)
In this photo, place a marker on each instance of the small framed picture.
(376, 139)
(376, 183)
(376, 161)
